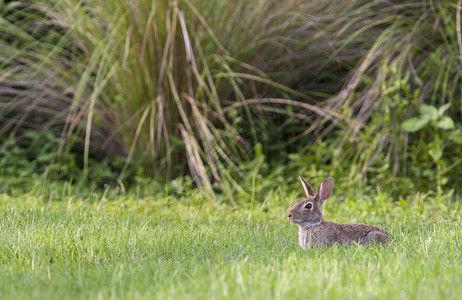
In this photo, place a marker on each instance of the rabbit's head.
(308, 211)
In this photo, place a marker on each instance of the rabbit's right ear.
(325, 190)
(307, 187)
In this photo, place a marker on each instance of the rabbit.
(314, 230)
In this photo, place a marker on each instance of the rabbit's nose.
(289, 216)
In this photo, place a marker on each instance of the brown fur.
(318, 232)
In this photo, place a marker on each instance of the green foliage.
(437, 120)
(439, 131)
(128, 246)
(429, 113)
(34, 157)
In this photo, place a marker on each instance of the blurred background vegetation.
(234, 97)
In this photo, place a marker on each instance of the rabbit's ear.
(307, 187)
(325, 190)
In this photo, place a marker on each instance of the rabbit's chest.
(311, 236)
(303, 238)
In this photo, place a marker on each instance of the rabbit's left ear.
(307, 187)
(325, 190)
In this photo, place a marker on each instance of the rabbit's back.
(328, 233)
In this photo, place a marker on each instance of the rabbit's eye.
(308, 205)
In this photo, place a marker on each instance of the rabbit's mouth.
(305, 223)
(296, 221)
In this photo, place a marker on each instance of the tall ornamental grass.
(184, 86)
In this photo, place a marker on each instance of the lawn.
(137, 247)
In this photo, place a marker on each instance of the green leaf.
(429, 111)
(414, 124)
(456, 137)
(429, 173)
(443, 109)
(446, 123)
(435, 152)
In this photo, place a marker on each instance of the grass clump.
(174, 87)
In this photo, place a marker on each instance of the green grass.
(131, 247)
